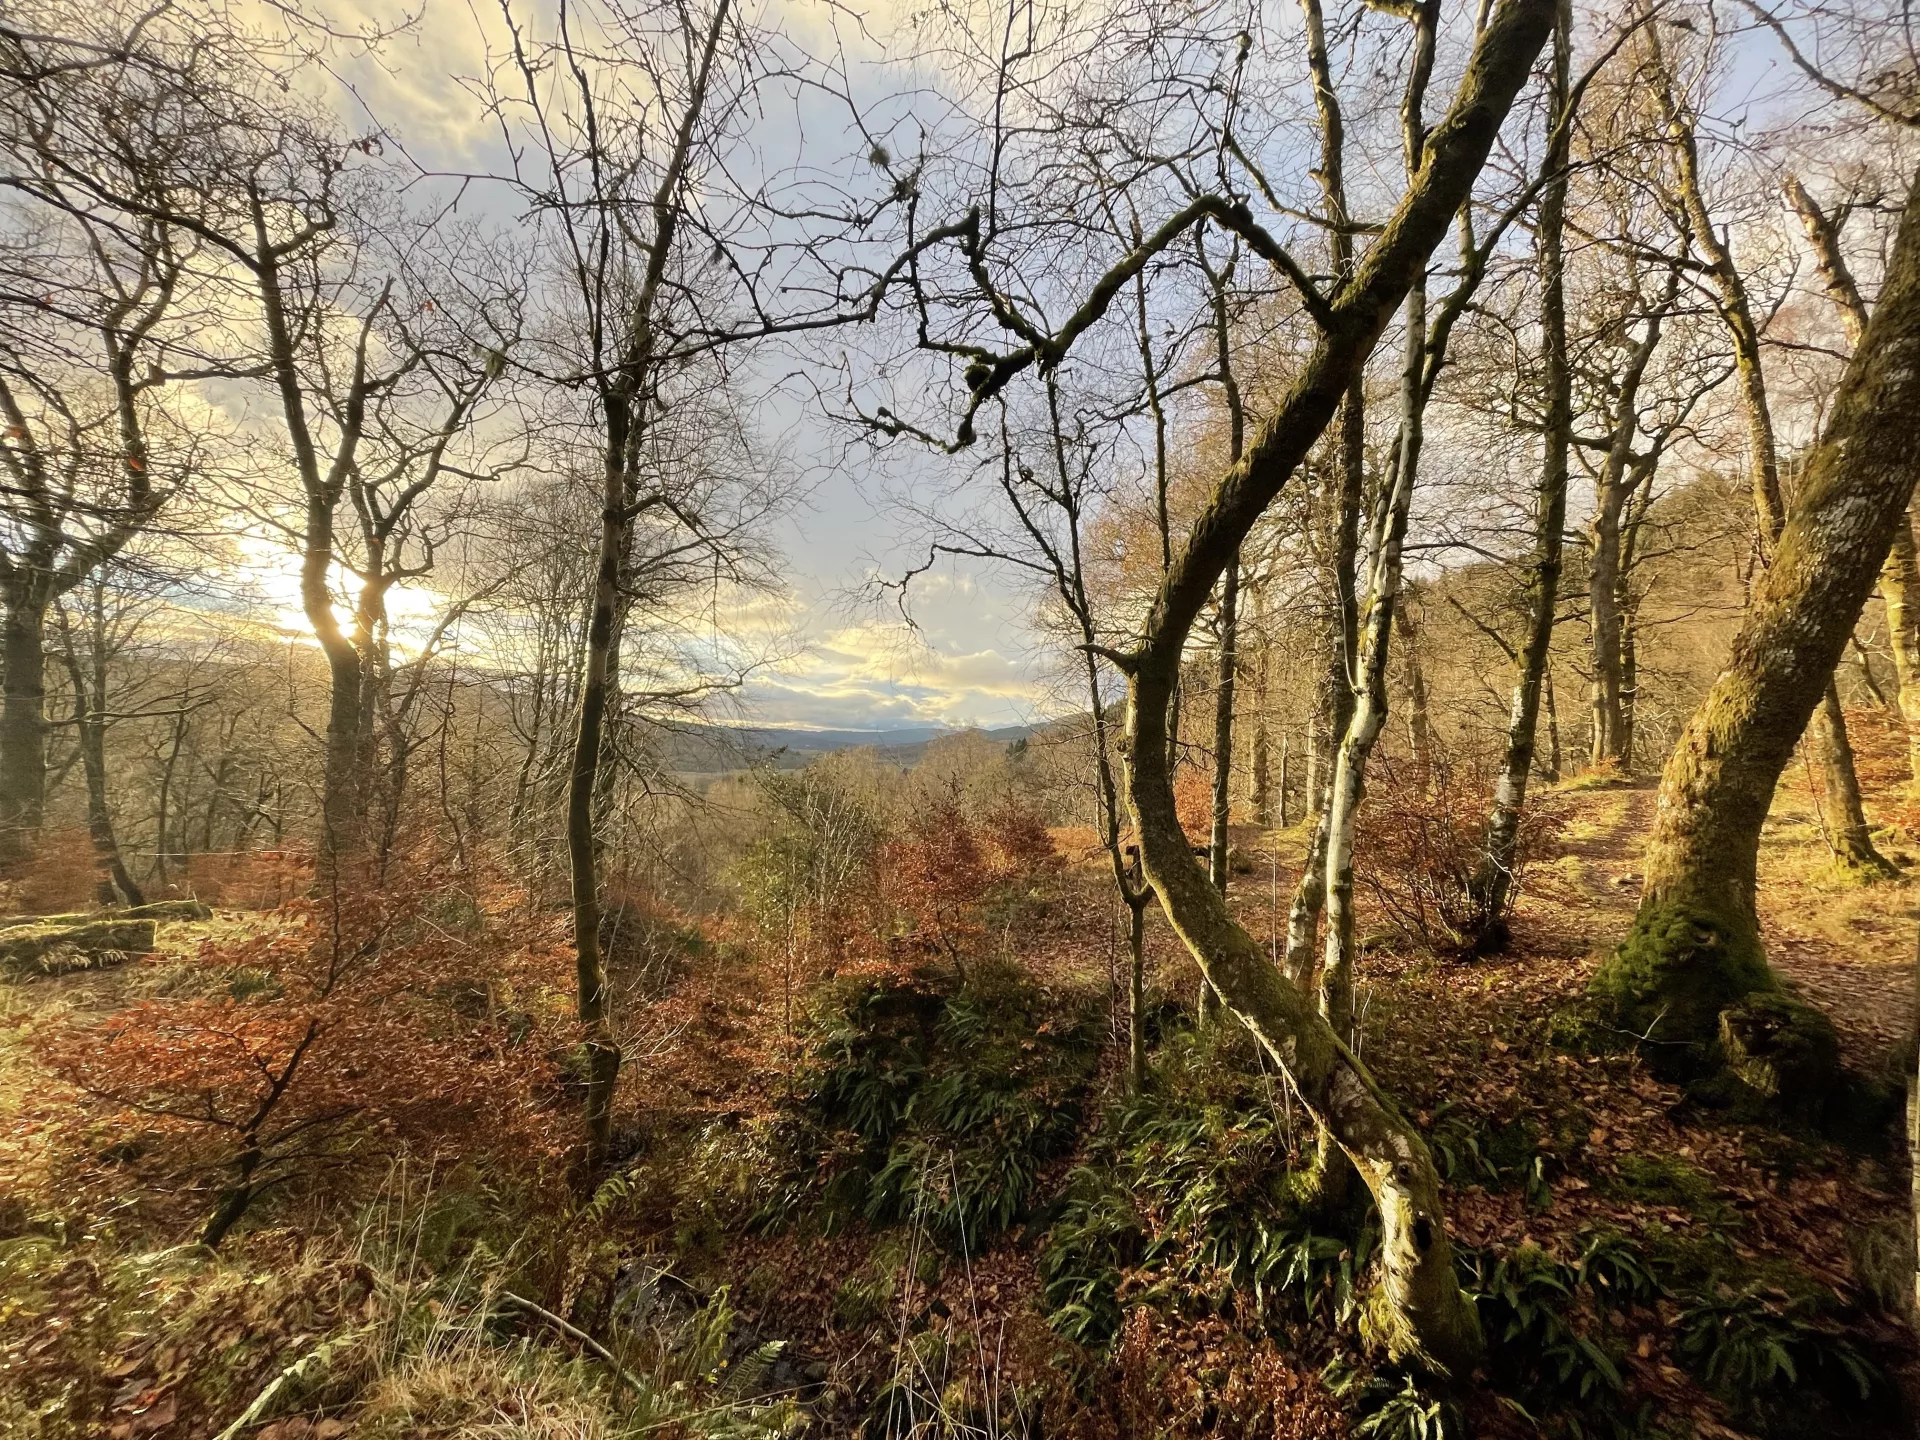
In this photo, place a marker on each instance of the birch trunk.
(1900, 590)
(1389, 530)
(1493, 885)
(1309, 896)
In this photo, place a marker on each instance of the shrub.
(1548, 1346)
(1421, 837)
(1756, 1346)
(1469, 1149)
(339, 1025)
(1017, 843)
(922, 1104)
(935, 874)
(1393, 1405)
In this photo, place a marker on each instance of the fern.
(1751, 1344)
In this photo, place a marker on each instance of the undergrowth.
(922, 1102)
(412, 1325)
(1187, 1196)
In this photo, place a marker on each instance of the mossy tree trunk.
(1420, 1309)
(1694, 946)
(1846, 820)
(1852, 848)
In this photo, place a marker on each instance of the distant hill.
(716, 749)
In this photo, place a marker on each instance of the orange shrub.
(250, 879)
(60, 875)
(936, 874)
(1419, 842)
(1017, 843)
(1193, 803)
(369, 1022)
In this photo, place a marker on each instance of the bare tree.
(92, 328)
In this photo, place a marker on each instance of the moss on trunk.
(1694, 948)
(1679, 967)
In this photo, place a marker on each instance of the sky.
(969, 655)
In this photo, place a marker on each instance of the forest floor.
(377, 1298)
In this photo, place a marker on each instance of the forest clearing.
(994, 718)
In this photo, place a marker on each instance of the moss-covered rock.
(1782, 1048)
(1678, 968)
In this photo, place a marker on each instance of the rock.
(1783, 1049)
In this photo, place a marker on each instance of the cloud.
(877, 674)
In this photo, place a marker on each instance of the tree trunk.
(1219, 839)
(1913, 1131)
(1610, 553)
(1285, 779)
(1389, 528)
(89, 703)
(1553, 731)
(1493, 885)
(1900, 590)
(1137, 903)
(1260, 796)
(602, 1048)
(623, 397)
(23, 718)
(1695, 946)
(1848, 835)
(1420, 1309)
(1419, 717)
